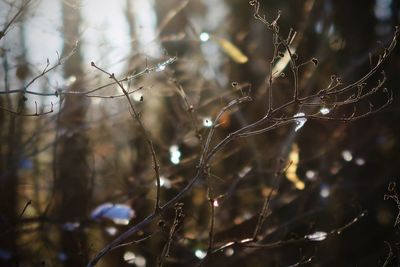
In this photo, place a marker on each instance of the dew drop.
(207, 122)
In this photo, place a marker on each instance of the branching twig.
(3, 32)
(142, 128)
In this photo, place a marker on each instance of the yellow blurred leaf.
(231, 50)
(292, 169)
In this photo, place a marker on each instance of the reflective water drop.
(300, 121)
(137, 96)
(200, 253)
(207, 122)
(175, 154)
(162, 66)
(317, 236)
(215, 203)
(118, 213)
(324, 111)
(204, 36)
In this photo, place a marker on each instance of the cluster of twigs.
(336, 97)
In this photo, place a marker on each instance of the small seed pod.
(315, 61)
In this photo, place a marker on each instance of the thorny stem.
(143, 130)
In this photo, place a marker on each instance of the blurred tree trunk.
(10, 154)
(8, 176)
(72, 176)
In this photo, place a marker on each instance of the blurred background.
(75, 170)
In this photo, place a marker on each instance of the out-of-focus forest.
(199, 133)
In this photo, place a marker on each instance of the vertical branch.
(211, 199)
(265, 207)
(142, 129)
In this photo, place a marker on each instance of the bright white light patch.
(300, 121)
(175, 154)
(140, 261)
(207, 122)
(317, 236)
(229, 252)
(360, 161)
(129, 257)
(164, 182)
(325, 192)
(324, 111)
(347, 156)
(204, 36)
(163, 65)
(200, 254)
(215, 203)
(310, 174)
(71, 79)
(111, 230)
(118, 213)
(137, 96)
(161, 68)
